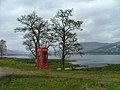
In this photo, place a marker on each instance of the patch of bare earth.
(4, 72)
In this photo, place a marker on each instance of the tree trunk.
(63, 51)
(35, 52)
(63, 60)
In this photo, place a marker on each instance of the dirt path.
(4, 72)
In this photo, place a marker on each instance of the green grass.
(25, 76)
(28, 64)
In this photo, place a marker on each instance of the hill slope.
(88, 46)
(16, 52)
(113, 48)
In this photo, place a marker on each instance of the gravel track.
(3, 72)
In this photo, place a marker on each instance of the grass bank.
(25, 76)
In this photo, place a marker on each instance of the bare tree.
(37, 32)
(3, 47)
(63, 27)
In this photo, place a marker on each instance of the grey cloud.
(100, 17)
(101, 24)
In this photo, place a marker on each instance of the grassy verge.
(25, 76)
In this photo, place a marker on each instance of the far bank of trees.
(3, 47)
(57, 33)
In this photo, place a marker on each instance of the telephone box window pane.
(38, 55)
(45, 58)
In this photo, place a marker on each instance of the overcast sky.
(101, 18)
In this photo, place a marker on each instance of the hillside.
(16, 52)
(88, 46)
(113, 48)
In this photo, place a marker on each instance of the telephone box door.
(42, 58)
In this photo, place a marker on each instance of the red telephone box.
(42, 58)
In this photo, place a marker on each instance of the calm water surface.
(88, 60)
(95, 60)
